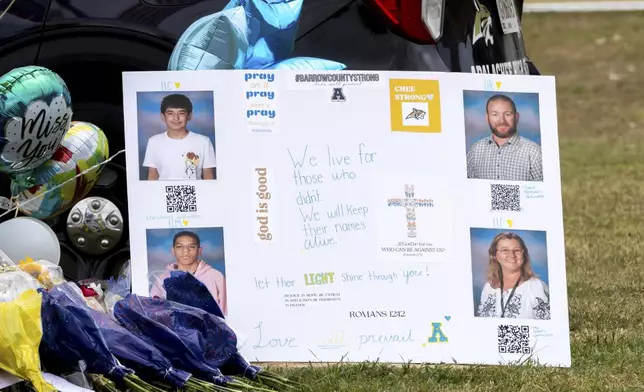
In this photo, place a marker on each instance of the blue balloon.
(35, 114)
(307, 64)
(246, 34)
(272, 28)
(216, 41)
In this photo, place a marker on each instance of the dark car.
(90, 42)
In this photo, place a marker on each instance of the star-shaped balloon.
(246, 34)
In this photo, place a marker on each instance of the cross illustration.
(410, 203)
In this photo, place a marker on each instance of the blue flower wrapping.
(185, 289)
(185, 335)
(71, 336)
(126, 347)
(135, 353)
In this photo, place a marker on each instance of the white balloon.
(29, 237)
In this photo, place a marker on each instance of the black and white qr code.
(514, 339)
(180, 198)
(505, 197)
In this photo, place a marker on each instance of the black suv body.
(90, 42)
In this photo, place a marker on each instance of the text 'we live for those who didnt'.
(335, 171)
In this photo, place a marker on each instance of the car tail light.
(420, 21)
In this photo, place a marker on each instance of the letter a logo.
(437, 334)
(338, 95)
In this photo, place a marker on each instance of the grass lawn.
(598, 59)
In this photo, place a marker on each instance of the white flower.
(14, 283)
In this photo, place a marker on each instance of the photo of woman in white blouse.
(512, 289)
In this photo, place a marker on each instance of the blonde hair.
(494, 268)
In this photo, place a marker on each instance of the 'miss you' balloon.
(35, 114)
(84, 146)
(246, 34)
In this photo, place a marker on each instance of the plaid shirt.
(519, 159)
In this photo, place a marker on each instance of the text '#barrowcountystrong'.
(337, 78)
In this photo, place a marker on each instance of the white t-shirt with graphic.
(180, 159)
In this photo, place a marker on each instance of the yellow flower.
(36, 270)
(31, 268)
(27, 260)
(45, 280)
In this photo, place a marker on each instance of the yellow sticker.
(415, 105)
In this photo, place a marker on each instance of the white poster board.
(341, 223)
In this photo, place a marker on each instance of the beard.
(504, 135)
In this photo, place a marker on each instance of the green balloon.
(35, 114)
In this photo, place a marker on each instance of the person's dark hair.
(501, 97)
(176, 101)
(186, 234)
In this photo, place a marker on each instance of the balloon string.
(16, 208)
(15, 202)
(7, 9)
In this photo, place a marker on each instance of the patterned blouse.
(531, 300)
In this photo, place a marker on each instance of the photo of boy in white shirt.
(178, 153)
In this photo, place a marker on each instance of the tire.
(91, 61)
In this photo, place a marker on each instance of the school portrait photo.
(193, 258)
(503, 136)
(510, 273)
(176, 135)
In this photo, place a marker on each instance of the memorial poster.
(355, 215)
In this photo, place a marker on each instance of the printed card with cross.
(419, 216)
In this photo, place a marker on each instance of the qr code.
(180, 198)
(514, 339)
(505, 197)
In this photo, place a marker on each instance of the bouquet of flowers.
(71, 336)
(20, 336)
(185, 335)
(185, 289)
(134, 352)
